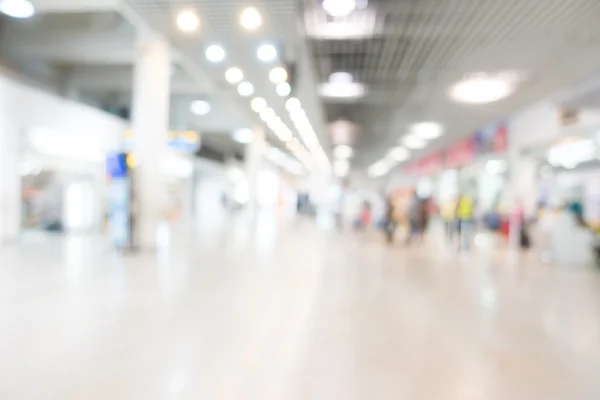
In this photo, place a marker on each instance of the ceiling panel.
(418, 48)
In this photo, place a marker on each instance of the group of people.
(418, 213)
(458, 218)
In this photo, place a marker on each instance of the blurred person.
(572, 241)
(417, 218)
(390, 221)
(364, 216)
(448, 214)
(464, 213)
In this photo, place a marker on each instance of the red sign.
(431, 164)
(461, 153)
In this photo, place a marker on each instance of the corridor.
(289, 313)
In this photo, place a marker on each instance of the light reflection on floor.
(260, 309)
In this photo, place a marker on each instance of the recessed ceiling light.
(234, 75)
(245, 89)
(283, 89)
(428, 130)
(267, 114)
(342, 90)
(341, 167)
(200, 107)
(243, 136)
(17, 8)
(339, 8)
(283, 133)
(298, 116)
(274, 122)
(278, 75)
(482, 89)
(258, 104)
(188, 21)
(293, 104)
(399, 154)
(413, 141)
(341, 77)
(250, 18)
(266, 53)
(215, 53)
(380, 168)
(343, 151)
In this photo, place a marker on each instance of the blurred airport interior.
(299, 199)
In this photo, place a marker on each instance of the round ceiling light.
(339, 8)
(188, 21)
(428, 130)
(283, 133)
(245, 89)
(267, 114)
(341, 77)
(343, 152)
(250, 18)
(341, 168)
(258, 104)
(200, 107)
(283, 89)
(380, 168)
(215, 53)
(293, 104)
(414, 142)
(266, 53)
(234, 75)
(482, 89)
(243, 136)
(278, 75)
(399, 154)
(17, 8)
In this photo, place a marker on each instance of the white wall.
(23, 109)
(534, 126)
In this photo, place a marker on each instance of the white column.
(254, 160)
(150, 123)
(10, 177)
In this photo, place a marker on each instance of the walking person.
(390, 221)
(464, 213)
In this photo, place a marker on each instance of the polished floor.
(260, 311)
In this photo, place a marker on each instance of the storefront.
(569, 171)
(62, 182)
(476, 165)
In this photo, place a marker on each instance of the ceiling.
(86, 49)
(408, 53)
(415, 50)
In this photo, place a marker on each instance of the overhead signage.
(461, 153)
(492, 139)
(186, 141)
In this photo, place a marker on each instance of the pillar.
(150, 123)
(254, 160)
(523, 189)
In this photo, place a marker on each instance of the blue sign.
(116, 165)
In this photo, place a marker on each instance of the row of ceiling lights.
(188, 20)
(251, 19)
(417, 139)
(281, 130)
(476, 89)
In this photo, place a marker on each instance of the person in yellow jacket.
(464, 212)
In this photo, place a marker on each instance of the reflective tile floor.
(255, 311)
